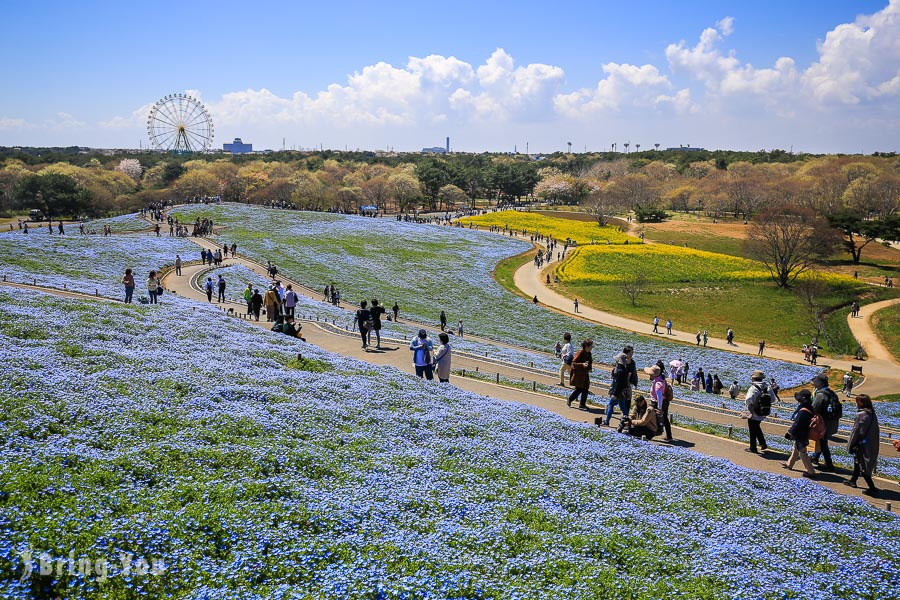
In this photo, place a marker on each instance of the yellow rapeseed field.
(660, 263)
(583, 232)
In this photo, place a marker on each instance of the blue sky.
(821, 76)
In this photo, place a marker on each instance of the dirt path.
(862, 329)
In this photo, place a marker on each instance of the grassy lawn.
(505, 271)
(885, 324)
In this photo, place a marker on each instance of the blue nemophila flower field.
(86, 263)
(179, 433)
(430, 268)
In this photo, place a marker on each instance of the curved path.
(861, 327)
(881, 376)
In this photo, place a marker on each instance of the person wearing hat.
(822, 404)
(757, 388)
(421, 348)
(799, 433)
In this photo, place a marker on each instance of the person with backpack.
(273, 303)
(566, 354)
(863, 444)
(827, 405)
(222, 284)
(363, 319)
(580, 378)
(208, 286)
(421, 348)
(759, 406)
(734, 389)
(799, 433)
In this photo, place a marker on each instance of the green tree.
(433, 174)
(54, 194)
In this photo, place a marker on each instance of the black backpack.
(835, 409)
(762, 404)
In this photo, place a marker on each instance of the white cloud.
(63, 120)
(624, 86)
(858, 61)
(7, 124)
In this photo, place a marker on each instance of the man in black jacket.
(821, 404)
(620, 387)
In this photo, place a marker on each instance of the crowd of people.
(815, 418)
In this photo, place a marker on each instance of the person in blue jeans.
(422, 348)
(620, 388)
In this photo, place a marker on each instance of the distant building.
(435, 150)
(685, 149)
(237, 147)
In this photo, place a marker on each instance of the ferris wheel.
(181, 124)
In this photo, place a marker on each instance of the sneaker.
(751, 450)
(810, 475)
(569, 402)
(850, 483)
(763, 448)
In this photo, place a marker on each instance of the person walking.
(661, 395)
(421, 348)
(799, 433)
(655, 324)
(566, 355)
(827, 405)
(762, 346)
(221, 286)
(442, 358)
(376, 311)
(699, 336)
(576, 305)
(729, 336)
(848, 384)
(209, 287)
(364, 321)
(580, 379)
(256, 302)
(759, 404)
(128, 282)
(396, 311)
(863, 444)
(248, 296)
(178, 264)
(618, 389)
(459, 328)
(669, 326)
(705, 337)
(290, 301)
(443, 319)
(152, 287)
(273, 303)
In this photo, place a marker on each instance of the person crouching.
(641, 421)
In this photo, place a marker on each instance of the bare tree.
(812, 289)
(634, 285)
(603, 205)
(788, 240)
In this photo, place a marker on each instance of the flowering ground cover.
(86, 263)
(122, 224)
(429, 268)
(202, 445)
(583, 232)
